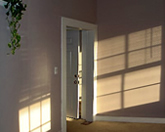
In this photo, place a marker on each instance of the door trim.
(65, 22)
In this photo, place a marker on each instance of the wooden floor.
(77, 126)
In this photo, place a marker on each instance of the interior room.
(120, 64)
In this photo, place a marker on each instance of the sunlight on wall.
(46, 109)
(145, 38)
(95, 77)
(143, 85)
(24, 120)
(109, 85)
(108, 92)
(109, 103)
(144, 46)
(69, 119)
(112, 46)
(142, 96)
(144, 56)
(129, 70)
(46, 127)
(142, 78)
(37, 130)
(111, 50)
(36, 117)
(111, 64)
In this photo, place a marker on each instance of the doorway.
(89, 41)
(74, 72)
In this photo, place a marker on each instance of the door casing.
(89, 87)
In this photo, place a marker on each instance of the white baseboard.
(130, 119)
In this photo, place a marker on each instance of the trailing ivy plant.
(14, 14)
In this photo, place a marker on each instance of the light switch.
(55, 70)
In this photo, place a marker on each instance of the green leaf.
(18, 45)
(14, 14)
(9, 45)
(13, 42)
(18, 17)
(15, 30)
(13, 52)
(18, 37)
(11, 23)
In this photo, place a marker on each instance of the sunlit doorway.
(89, 40)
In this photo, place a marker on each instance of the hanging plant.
(14, 14)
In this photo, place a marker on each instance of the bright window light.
(128, 70)
(35, 117)
(24, 120)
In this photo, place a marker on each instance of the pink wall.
(122, 26)
(118, 17)
(30, 72)
(84, 10)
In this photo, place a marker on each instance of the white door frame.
(65, 22)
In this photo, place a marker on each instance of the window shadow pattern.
(129, 71)
(34, 112)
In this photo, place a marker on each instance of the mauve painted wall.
(84, 10)
(122, 17)
(30, 71)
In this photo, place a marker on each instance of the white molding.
(63, 76)
(2, 3)
(76, 24)
(131, 119)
